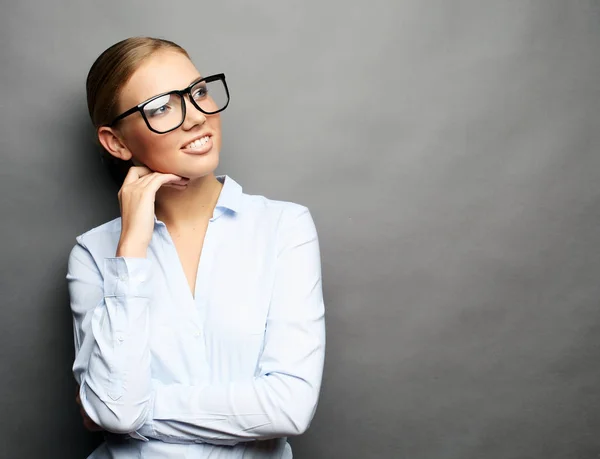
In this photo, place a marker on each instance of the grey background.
(448, 151)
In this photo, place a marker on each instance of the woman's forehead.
(163, 71)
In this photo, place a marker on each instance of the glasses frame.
(181, 93)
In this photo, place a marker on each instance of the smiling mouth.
(197, 144)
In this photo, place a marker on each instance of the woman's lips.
(195, 149)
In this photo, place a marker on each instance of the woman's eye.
(158, 106)
(200, 93)
(159, 111)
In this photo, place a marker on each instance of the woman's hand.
(136, 198)
(87, 421)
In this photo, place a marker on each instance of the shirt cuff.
(138, 436)
(129, 277)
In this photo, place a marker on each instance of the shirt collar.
(231, 194)
(230, 197)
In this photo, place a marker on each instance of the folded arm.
(282, 399)
(111, 331)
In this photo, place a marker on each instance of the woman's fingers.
(164, 178)
(135, 173)
(154, 183)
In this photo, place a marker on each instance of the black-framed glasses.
(166, 112)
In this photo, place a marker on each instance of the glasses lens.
(164, 113)
(210, 96)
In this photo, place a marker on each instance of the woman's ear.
(112, 143)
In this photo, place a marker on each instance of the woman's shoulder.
(111, 226)
(279, 216)
(261, 204)
(255, 206)
(104, 235)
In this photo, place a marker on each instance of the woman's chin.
(197, 174)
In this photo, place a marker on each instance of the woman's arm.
(282, 400)
(111, 312)
(111, 328)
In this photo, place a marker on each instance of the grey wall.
(449, 153)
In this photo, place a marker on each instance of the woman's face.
(170, 152)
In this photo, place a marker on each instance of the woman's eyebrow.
(196, 79)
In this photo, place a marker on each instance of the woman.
(198, 314)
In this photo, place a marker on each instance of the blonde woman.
(198, 314)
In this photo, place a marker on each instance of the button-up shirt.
(228, 372)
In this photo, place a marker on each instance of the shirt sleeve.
(111, 331)
(282, 399)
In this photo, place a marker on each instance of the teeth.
(197, 143)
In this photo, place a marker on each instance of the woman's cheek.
(158, 153)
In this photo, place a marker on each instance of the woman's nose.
(193, 116)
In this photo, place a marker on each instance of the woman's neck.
(177, 208)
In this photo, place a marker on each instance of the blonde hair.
(113, 68)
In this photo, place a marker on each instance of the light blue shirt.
(229, 372)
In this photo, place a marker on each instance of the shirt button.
(198, 334)
(123, 277)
